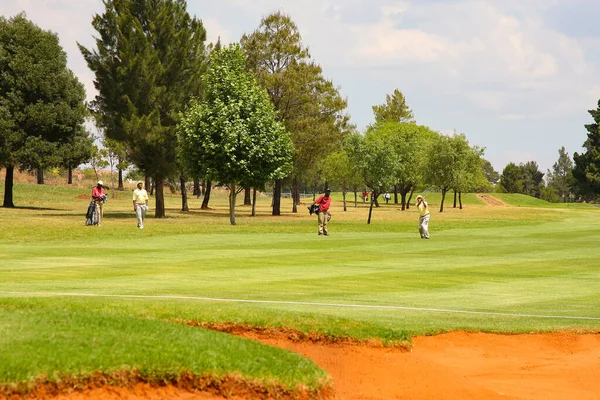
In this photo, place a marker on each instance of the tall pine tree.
(586, 171)
(148, 61)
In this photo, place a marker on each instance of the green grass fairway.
(531, 267)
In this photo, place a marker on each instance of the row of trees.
(566, 181)
(173, 106)
(150, 62)
(252, 113)
(404, 157)
(526, 178)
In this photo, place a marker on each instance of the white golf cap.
(100, 183)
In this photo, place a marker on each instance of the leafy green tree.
(308, 104)
(586, 169)
(41, 101)
(148, 62)
(492, 176)
(395, 109)
(532, 178)
(340, 172)
(232, 134)
(440, 165)
(511, 179)
(99, 160)
(351, 146)
(523, 178)
(76, 151)
(549, 194)
(408, 143)
(118, 152)
(469, 174)
(559, 178)
(376, 163)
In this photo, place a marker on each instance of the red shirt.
(97, 192)
(323, 203)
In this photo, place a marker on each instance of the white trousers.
(424, 226)
(140, 212)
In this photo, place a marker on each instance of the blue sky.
(516, 76)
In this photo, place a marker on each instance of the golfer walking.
(140, 204)
(99, 197)
(423, 217)
(324, 201)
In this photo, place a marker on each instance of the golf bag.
(313, 209)
(91, 217)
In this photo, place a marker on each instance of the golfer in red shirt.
(324, 202)
(99, 197)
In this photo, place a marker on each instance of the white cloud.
(214, 31)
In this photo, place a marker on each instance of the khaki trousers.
(100, 211)
(323, 223)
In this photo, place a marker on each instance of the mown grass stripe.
(304, 303)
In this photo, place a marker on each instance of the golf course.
(86, 306)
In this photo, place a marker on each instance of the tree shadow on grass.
(208, 212)
(106, 215)
(30, 208)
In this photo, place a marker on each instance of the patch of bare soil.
(490, 200)
(456, 365)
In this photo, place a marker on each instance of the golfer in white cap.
(99, 197)
(423, 217)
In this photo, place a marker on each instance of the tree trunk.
(112, 182)
(147, 182)
(460, 200)
(396, 195)
(207, 190)
(159, 184)
(184, 199)
(295, 195)
(197, 192)
(455, 197)
(203, 187)
(344, 196)
(355, 199)
(121, 187)
(277, 197)
(254, 202)
(8, 187)
(247, 201)
(40, 176)
(232, 195)
(412, 191)
(69, 176)
(443, 197)
(373, 198)
(403, 200)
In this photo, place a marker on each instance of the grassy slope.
(482, 259)
(56, 343)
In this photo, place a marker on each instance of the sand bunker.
(457, 365)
